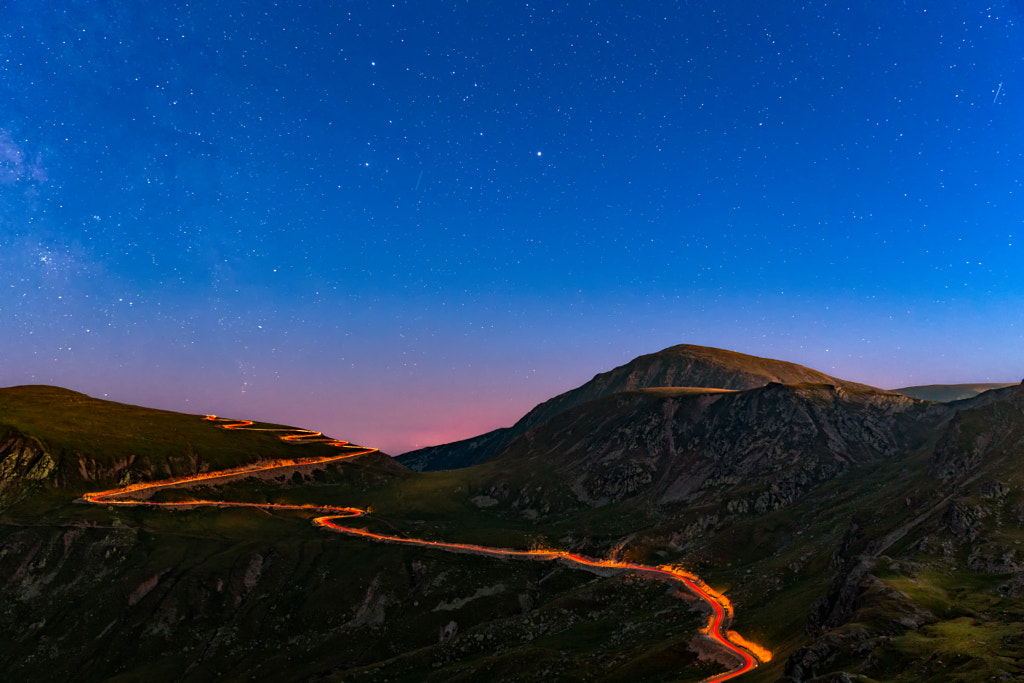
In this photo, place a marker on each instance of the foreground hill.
(65, 439)
(684, 365)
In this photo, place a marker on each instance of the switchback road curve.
(748, 654)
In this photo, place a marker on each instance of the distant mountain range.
(949, 392)
(861, 534)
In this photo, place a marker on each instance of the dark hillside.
(755, 450)
(939, 599)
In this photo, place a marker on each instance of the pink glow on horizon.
(400, 409)
(391, 419)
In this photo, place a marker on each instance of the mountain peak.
(705, 366)
(683, 365)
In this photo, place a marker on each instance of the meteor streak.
(749, 654)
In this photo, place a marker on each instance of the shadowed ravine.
(748, 654)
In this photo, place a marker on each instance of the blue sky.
(407, 223)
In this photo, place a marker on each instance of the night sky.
(408, 223)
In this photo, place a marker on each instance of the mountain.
(684, 365)
(753, 450)
(876, 534)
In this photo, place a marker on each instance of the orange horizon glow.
(750, 654)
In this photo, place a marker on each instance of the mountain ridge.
(692, 447)
(946, 393)
(683, 365)
(65, 438)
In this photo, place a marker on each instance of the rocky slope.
(684, 365)
(23, 463)
(938, 599)
(911, 513)
(241, 599)
(748, 451)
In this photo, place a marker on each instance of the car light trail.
(748, 654)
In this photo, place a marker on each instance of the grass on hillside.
(165, 443)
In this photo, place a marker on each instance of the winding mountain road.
(748, 655)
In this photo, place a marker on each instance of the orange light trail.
(750, 654)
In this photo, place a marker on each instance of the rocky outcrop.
(995, 558)
(804, 664)
(994, 490)
(23, 458)
(962, 521)
(842, 600)
(23, 463)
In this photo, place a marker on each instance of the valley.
(749, 655)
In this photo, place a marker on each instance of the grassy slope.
(106, 435)
(773, 565)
